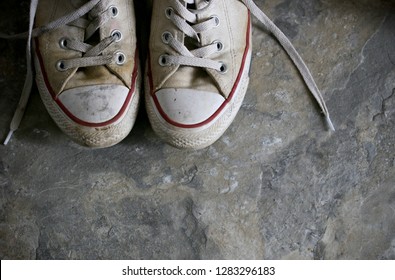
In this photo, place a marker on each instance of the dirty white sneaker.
(199, 57)
(198, 64)
(86, 65)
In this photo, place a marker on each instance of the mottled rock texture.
(277, 185)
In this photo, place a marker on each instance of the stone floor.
(277, 185)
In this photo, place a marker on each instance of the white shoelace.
(182, 17)
(91, 53)
(186, 21)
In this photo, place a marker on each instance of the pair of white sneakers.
(195, 78)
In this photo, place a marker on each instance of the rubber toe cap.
(188, 106)
(94, 104)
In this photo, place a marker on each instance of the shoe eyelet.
(169, 11)
(219, 45)
(114, 11)
(117, 35)
(163, 60)
(61, 66)
(120, 58)
(166, 36)
(216, 19)
(223, 68)
(64, 42)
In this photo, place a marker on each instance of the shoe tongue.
(193, 78)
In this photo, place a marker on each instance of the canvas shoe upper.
(86, 65)
(197, 69)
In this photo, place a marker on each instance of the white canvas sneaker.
(197, 72)
(87, 67)
(198, 64)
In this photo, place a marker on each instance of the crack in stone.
(362, 57)
(194, 233)
(383, 111)
(390, 58)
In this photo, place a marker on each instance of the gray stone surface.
(277, 185)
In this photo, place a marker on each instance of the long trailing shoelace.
(92, 54)
(185, 19)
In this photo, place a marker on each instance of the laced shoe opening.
(191, 43)
(191, 6)
(94, 39)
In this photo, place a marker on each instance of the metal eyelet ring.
(114, 11)
(219, 44)
(216, 19)
(223, 68)
(61, 66)
(169, 11)
(117, 35)
(166, 36)
(64, 42)
(120, 58)
(163, 60)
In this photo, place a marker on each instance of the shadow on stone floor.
(277, 185)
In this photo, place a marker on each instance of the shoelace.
(91, 53)
(185, 20)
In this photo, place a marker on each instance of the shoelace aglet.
(330, 123)
(8, 138)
